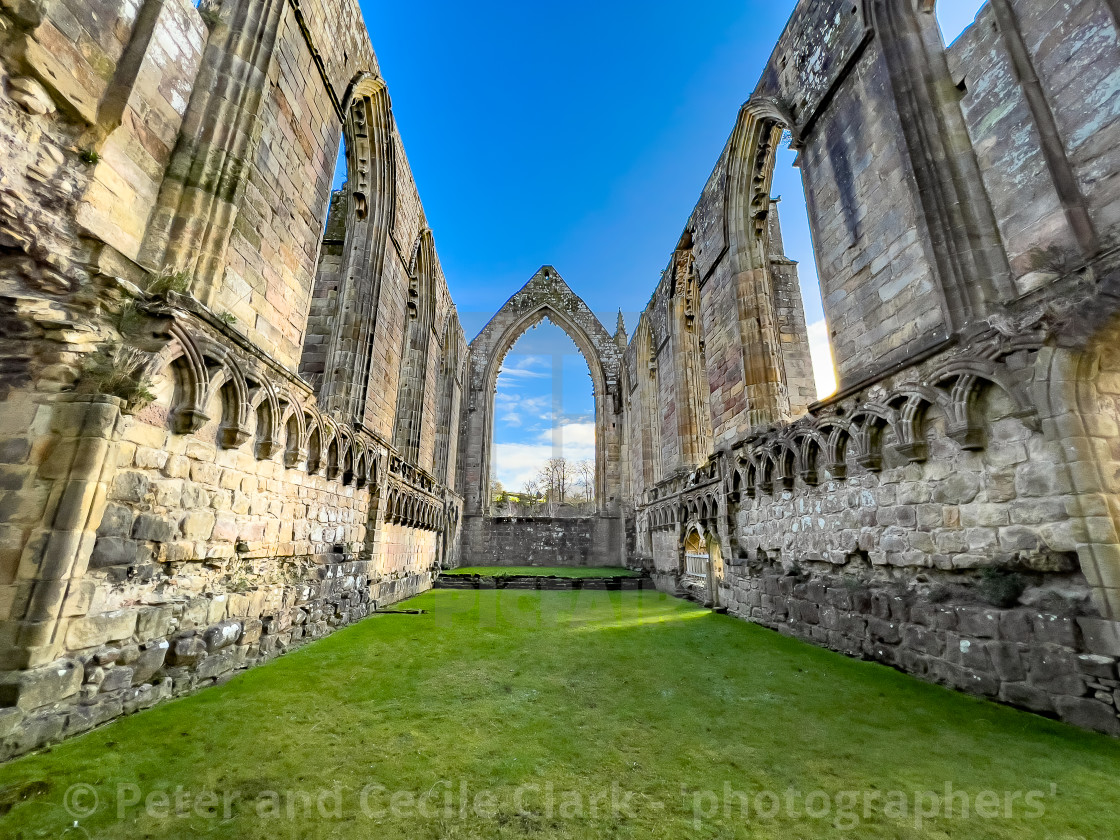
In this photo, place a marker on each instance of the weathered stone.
(187, 651)
(222, 635)
(1055, 669)
(150, 661)
(978, 622)
(116, 679)
(10, 719)
(1007, 657)
(1028, 696)
(922, 640)
(98, 629)
(252, 631)
(155, 527)
(217, 665)
(1095, 665)
(1090, 714)
(154, 622)
(40, 687)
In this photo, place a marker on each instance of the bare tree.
(556, 476)
(585, 478)
(529, 496)
(497, 494)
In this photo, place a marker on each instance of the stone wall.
(539, 541)
(176, 501)
(951, 510)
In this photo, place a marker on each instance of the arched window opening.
(328, 274)
(358, 187)
(794, 268)
(412, 421)
(340, 169)
(955, 16)
(543, 457)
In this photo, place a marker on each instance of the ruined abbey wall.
(237, 409)
(951, 510)
(492, 539)
(176, 500)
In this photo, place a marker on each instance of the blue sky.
(576, 134)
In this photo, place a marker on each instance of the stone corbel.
(188, 420)
(915, 451)
(233, 436)
(968, 435)
(293, 457)
(870, 461)
(267, 448)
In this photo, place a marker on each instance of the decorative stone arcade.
(595, 540)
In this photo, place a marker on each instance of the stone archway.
(701, 569)
(490, 540)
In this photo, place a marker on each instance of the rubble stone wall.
(951, 511)
(540, 541)
(176, 501)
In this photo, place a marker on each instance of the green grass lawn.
(502, 714)
(575, 572)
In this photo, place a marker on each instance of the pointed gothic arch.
(339, 341)
(417, 339)
(546, 295)
(754, 145)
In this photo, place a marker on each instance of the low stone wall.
(540, 541)
(549, 584)
(1038, 660)
(132, 658)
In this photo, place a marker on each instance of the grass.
(549, 701)
(574, 572)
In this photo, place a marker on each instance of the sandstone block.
(98, 629)
(1088, 714)
(1055, 669)
(198, 525)
(152, 657)
(1028, 696)
(222, 635)
(116, 521)
(187, 651)
(28, 690)
(117, 679)
(156, 527)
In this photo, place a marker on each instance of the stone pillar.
(211, 165)
(79, 453)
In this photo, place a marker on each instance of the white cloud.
(574, 437)
(821, 352)
(511, 409)
(516, 463)
(523, 367)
